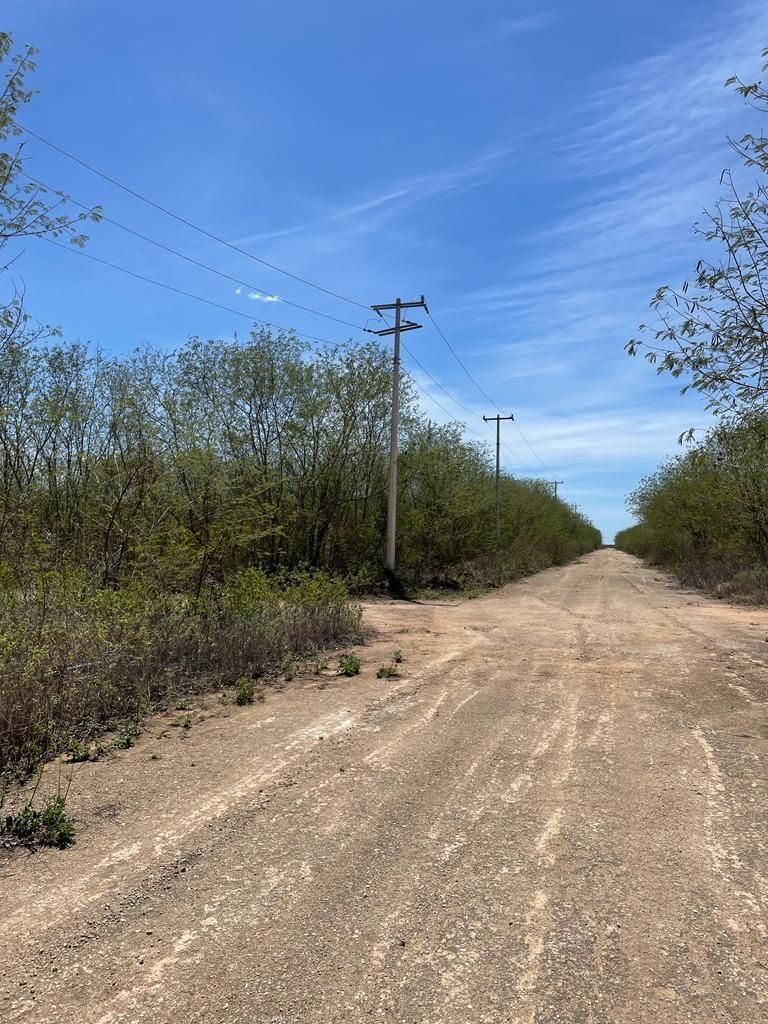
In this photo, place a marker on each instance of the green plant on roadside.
(78, 752)
(127, 733)
(321, 665)
(349, 665)
(49, 825)
(245, 691)
(398, 657)
(26, 762)
(182, 722)
(387, 672)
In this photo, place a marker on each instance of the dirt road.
(556, 814)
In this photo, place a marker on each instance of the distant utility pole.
(400, 326)
(555, 484)
(490, 419)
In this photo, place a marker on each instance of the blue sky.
(533, 169)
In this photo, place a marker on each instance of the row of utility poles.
(400, 325)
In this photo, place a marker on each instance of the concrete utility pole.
(490, 419)
(555, 484)
(400, 325)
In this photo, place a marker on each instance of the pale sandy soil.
(556, 814)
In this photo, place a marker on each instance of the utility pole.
(498, 419)
(400, 325)
(555, 484)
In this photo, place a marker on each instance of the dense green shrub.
(705, 514)
(182, 468)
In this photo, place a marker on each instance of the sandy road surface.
(558, 813)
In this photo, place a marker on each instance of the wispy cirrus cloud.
(641, 156)
(534, 22)
(499, 34)
(369, 213)
(665, 107)
(590, 272)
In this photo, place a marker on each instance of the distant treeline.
(704, 514)
(186, 466)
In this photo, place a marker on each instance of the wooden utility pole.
(554, 484)
(400, 325)
(498, 419)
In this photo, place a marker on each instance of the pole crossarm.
(419, 303)
(406, 325)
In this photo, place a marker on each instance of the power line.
(437, 384)
(244, 252)
(513, 454)
(183, 220)
(531, 448)
(461, 364)
(432, 399)
(251, 319)
(487, 397)
(439, 405)
(198, 263)
(180, 291)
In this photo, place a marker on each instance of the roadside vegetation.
(704, 514)
(178, 520)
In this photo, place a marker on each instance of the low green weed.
(349, 665)
(49, 825)
(78, 752)
(127, 733)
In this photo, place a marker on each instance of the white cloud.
(261, 297)
(527, 23)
